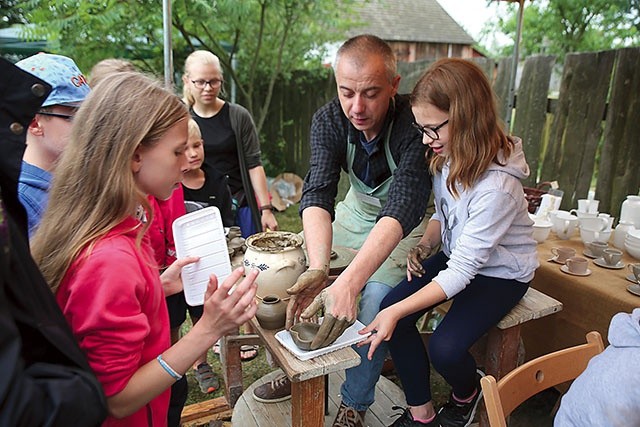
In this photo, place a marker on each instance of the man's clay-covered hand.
(331, 327)
(306, 288)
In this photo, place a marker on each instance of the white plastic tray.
(349, 337)
(201, 233)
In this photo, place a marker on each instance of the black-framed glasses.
(431, 132)
(67, 117)
(201, 84)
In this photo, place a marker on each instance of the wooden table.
(307, 377)
(589, 302)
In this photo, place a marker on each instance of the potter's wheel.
(341, 257)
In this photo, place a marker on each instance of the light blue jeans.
(358, 390)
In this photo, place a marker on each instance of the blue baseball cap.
(69, 85)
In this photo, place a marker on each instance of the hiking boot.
(406, 420)
(278, 390)
(207, 380)
(456, 414)
(348, 417)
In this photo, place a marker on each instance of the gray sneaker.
(277, 390)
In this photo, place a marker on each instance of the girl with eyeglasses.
(231, 142)
(93, 249)
(486, 257)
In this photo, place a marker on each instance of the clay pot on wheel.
(279, 257)
(272, 312)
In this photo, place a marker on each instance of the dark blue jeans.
(481, 305)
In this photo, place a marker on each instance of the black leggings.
(481, 305)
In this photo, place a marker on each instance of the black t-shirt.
(220, 151)
(214, 192)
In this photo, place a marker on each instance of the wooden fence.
(589, 136)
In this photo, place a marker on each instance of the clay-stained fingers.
(311, 280)
(338, 327)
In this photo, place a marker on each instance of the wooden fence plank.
(578, 127)
(531, 114)
(501, 86)
(619, 167)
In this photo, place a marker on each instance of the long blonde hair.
(203, 57)
(94, 188)
(476, 138)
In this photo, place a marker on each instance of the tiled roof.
(409, 20)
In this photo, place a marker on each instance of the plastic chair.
(539, 374)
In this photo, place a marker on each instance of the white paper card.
(201, 234)
(349, 337)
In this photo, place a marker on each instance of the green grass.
(289, 219)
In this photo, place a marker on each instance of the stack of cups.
(594, 226)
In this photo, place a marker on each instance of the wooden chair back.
(546, 371)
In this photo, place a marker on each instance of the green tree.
(10, 13)
(263, 39)
(559, 27)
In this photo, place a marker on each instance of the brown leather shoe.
(277, 390)
(349, 417)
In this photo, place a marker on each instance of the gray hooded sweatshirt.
(607, 393)
(487, 230)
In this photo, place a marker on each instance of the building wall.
(416, 51)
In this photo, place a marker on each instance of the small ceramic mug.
(597, 248)
(635, 270)
(577, 265)
(562, 254)
(612, 256)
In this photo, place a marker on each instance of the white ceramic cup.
(597, 223)
(564, 224)
(589, 206)
(577, 265)
(589, 235)
(581, 215)
(562, 254)
(635, 270)
(609, 219)
(541, 230)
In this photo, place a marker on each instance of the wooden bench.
(501, 351)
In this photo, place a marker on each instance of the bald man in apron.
(367, 131)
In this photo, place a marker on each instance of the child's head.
(202, 79)
(458, 91)
(195, 147)
(107, 67)
(128, 140)
(126, 119)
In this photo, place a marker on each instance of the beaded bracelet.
(176, 376)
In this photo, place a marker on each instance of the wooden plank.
(213, 409)
(533, 305)
(250, 413)
(302, 394)
(531, 116)
(501, 86)
(577, 130)
(620, 156)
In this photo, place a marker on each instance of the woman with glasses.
(487, 256)
(231, 142)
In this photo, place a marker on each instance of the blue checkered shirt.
(411, 185)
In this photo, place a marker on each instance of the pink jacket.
(113, 300)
